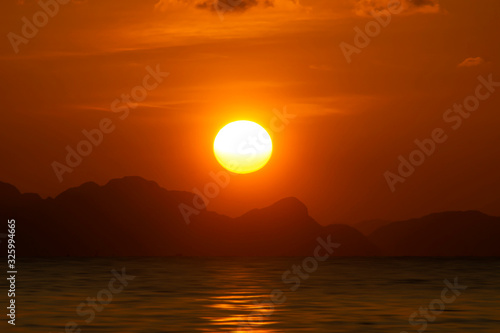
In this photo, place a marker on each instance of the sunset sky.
(352, 120)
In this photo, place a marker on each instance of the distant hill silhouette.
(469, 233)
(368, 227)
(492, 208)
(135, 217)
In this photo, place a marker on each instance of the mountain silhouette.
(132, 216)
(135, 217)
(368, 227)
(468, 233)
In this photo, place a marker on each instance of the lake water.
(226, 295)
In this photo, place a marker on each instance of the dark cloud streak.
(233, 5)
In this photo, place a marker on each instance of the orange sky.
(353, 119)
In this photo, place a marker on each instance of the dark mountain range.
(469, 233)
(368, 227)
(135, 217)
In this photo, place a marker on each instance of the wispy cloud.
(471, 62)
(228, 6)
(366, 7)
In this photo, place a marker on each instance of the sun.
(243, 147)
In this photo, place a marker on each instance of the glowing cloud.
(471, 62)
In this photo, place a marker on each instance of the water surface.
(227, 295)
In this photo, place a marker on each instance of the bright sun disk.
(243, 147)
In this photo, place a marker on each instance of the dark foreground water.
(234, 295)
